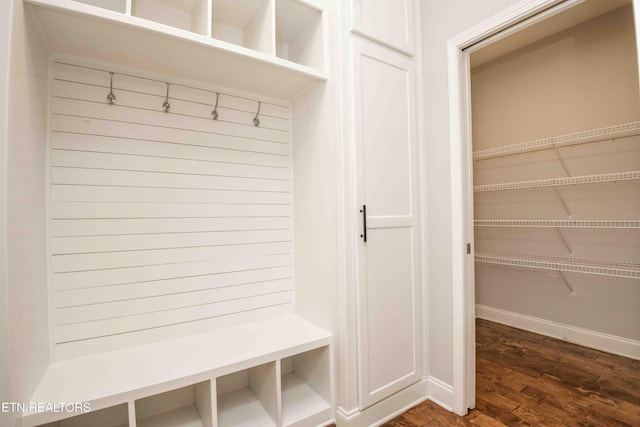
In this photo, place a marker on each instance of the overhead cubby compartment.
(184, 407)
(189, 15)
(226, 43)
(299, 33)
(248, 398)
(306, 391)
(115, 416)
(115, 5)
(247, 23)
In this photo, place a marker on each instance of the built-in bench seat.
(279, 368)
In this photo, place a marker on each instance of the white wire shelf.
(587, 266)
(557, 182)
(553, 223)
(594, 135)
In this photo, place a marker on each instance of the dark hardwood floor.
(529, 379)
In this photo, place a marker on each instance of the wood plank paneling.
(163, 224)
(89, 244)
(75, 90)
(117, 162)
(164, 210)
(125, 259)
(119, 325)
(131, 291)
(120, 341)
(67, 227)
(66, 176)
(104, 144)
(124, 308)
(122, 113)
(118, 276)
(101, 193)
(134, 162)
(143, 132)
(72, 73)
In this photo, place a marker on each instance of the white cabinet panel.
(386, 21)
(387, 136)
(390, 318)
(388, 262)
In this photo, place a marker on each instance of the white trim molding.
(521, 15)
(386, 409)
(585, 337)
(440, 393)
(636, 18)
(403, 44)
(429, 388)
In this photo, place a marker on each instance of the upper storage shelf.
(595, 135)
(229, 43)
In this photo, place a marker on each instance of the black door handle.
(364, 222)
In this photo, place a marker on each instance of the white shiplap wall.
(163, 224)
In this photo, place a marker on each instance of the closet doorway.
(536, 100)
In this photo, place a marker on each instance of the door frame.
(521, 15)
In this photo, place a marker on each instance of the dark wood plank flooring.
(529, 379)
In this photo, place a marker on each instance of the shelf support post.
(566, 171)
(566, 244)
(564, 204)
(564, 165)
(567, 284)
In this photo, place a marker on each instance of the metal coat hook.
(214, 113)
(166, 107)
(111, 98)
(256, 120)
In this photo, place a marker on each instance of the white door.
(388, 271)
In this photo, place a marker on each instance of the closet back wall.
(163, 224)
(581, 79)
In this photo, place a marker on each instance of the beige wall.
(583, 78)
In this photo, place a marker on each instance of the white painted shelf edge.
(121, 376)
(602, 134)
(597, 267)
(556, 182)
(253, 58)
(559, 223)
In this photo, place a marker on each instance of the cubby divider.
(306, 387)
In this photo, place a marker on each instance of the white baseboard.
(386, 409)
(427, 389)
(440, 393)
(585, 337)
